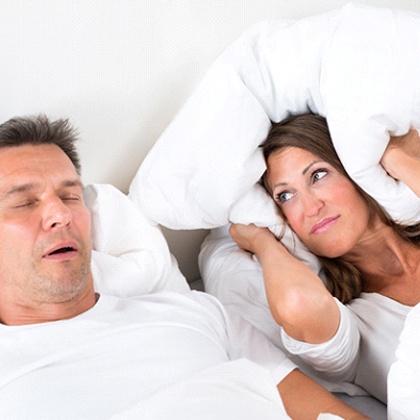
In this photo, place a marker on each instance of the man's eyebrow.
(22, 188)
(72, 183)
(17, 189)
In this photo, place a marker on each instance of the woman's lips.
(323, 225)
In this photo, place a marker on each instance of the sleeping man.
(70, 352)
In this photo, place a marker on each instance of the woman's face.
(321, 205)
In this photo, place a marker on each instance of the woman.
(364, 254)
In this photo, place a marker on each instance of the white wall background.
(121, 69)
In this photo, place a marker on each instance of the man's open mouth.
(62, 250)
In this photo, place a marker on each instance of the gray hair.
(39, 130)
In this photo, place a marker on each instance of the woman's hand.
(250, 237)
(398, 148)
(401, 159)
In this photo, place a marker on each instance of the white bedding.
(404, 375)
(131, 256)
(357, 66)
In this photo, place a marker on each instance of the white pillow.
(357, 66)
(208, 157)
(370, 88)
(131, 256)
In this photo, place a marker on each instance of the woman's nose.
(312, 204)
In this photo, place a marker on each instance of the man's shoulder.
(164, 304)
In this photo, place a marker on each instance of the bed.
(122, 71)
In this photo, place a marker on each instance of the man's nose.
(55, 214)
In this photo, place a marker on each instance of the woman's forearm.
(303, 398)
(298, 299)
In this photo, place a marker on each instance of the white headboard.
(121, 69)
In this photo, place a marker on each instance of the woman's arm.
(401, 159)
(303, 398)
(298, 299)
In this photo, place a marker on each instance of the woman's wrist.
(263, 240)
(394, 161)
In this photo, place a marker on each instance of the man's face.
(45, 246)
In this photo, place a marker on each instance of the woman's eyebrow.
(279, 184)
(305, 170)
(309, 166)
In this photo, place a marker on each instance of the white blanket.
(357, 66)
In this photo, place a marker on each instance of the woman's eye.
(284, 196)
(319, 174)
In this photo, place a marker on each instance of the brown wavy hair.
(310, 132)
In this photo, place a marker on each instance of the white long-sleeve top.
(379, 322)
